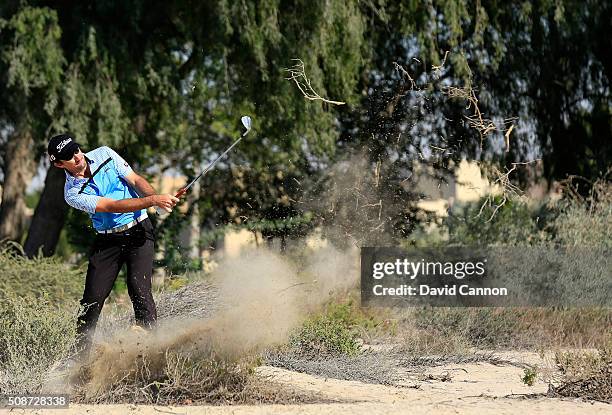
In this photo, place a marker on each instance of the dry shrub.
(586, 221)
(549, 327)
(32, 277)
(420, 342)
(367, 366)
(168, 377)
(457, 331)
(199, 361)
(585, 375)
(186, 376)
(35, 336)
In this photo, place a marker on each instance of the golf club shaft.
(207, 169)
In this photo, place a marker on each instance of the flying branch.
(297, 74)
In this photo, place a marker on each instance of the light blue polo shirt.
(108, 171)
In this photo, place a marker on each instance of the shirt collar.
(72, 178)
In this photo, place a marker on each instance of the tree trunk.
(190, 234)
(49, 216)
(194, 223)
(18, 171)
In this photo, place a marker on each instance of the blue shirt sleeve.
(81, 201)
(122, 166)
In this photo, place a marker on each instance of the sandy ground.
(481, 388)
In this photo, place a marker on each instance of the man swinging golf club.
(103, 184)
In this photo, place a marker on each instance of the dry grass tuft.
(585, 375)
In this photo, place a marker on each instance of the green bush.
(35, 335)
(573, 221)
(514, 223)
(32, 277)
(530, 375)
(586, 221)
(332, 332)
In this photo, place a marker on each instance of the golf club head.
(246, 122)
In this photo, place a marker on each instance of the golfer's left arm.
(140, 184)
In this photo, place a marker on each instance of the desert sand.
(482, 388)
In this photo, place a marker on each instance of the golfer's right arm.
(106, 204)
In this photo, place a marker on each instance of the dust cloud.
(263, 297)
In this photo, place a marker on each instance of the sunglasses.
(70, 156)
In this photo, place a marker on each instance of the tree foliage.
(164, 83)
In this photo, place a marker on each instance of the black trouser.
(133, 247)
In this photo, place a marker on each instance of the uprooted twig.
(437, 69)
(508, 189)
(297, 74)
(484, 126)
(405, 73)
(507, 137)
(599, 190)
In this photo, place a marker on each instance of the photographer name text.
(426, 290)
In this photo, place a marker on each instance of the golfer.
(102, 184)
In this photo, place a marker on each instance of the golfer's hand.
(181, 193)
(166, 202)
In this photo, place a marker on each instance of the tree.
(51, 209)
(164, 84)
(556, 72)
(31, 63)
(161, 87)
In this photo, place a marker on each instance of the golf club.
(246, 122)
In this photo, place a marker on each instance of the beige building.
(467, 185)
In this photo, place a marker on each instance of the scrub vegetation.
(585, 374)
(21, 276)
(332, 338)
(36, 335)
